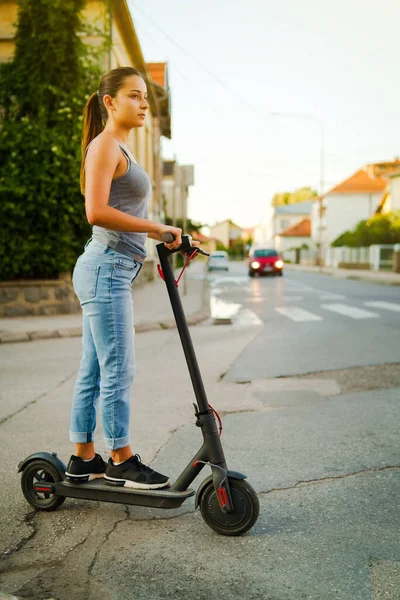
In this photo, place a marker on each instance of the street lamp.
(321, 167)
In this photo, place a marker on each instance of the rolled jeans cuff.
(115, 443)
(81, 437)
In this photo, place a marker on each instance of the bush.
(380, 229)
(42, 94)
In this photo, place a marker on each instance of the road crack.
(29, 521)
(171, 435)
(309, 482)
(106, 538)
(58, 385)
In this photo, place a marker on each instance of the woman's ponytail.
(92, 126)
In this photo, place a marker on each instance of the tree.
(43, 90)
(380, 229)
(301, 195)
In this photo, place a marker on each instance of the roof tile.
(301, 229)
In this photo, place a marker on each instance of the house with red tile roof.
(350, 201)
(296, 236)
(390, 201)
(226, 231)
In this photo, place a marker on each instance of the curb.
(11, 337)
(356, 276)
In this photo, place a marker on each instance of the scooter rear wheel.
(40, 471)
(246, 508)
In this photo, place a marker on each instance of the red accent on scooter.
(218, 417)
(42, 489)
(196, 462)
(160, 272)
(185, 265)
(223, 498)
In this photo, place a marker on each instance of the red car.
(265, 261)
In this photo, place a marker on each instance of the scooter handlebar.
(167, 237)
(186, 245)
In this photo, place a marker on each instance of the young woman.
(117, 192)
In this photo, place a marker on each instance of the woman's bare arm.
(101, 163)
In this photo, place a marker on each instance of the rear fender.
(51, 458)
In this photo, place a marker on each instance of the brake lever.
(201, 251)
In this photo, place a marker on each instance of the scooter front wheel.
(41, 471)
(246, 508)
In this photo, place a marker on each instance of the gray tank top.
(130, 193)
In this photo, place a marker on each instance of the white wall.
(395, 192)
(221, 232)
(283, 242)
(344, 211)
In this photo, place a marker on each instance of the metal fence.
(377, 257)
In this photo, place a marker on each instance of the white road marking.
(223, 310)
(350, 311)
(247, 317)
(298, 287)
(239, 280)
(384, 305)
(297, 314)
(329, 296)
(296, 298)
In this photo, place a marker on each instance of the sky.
(232, 63)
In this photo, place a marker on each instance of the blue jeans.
(102, 280)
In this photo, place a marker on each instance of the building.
(295, 237)
(288, 215)
(227, 232)
(351, 201)
(175, 189)
(390, 201)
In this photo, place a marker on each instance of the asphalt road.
(309, 391)
(312, 323)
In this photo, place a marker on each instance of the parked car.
(218, 260)
(265, 261)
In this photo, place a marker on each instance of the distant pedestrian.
(117, 192)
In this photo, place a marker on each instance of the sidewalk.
(151, 305)
(381, 277)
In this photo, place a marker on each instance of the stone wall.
(49, 296)
(38, 297)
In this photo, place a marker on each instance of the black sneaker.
(79, 471)
(134, 474)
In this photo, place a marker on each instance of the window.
(284, 224)
(265, 252)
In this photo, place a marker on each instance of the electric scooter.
(228, 504)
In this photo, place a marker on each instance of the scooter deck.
(102, 492)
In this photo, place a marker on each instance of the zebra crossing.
(298, 314)
(330, 303)
(290, 300)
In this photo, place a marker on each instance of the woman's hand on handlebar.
(176, 232)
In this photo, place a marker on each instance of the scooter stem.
(181, 322)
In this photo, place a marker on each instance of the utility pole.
(174, 185)
(184, 217)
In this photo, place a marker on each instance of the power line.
(195, 59)
(198, 89)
